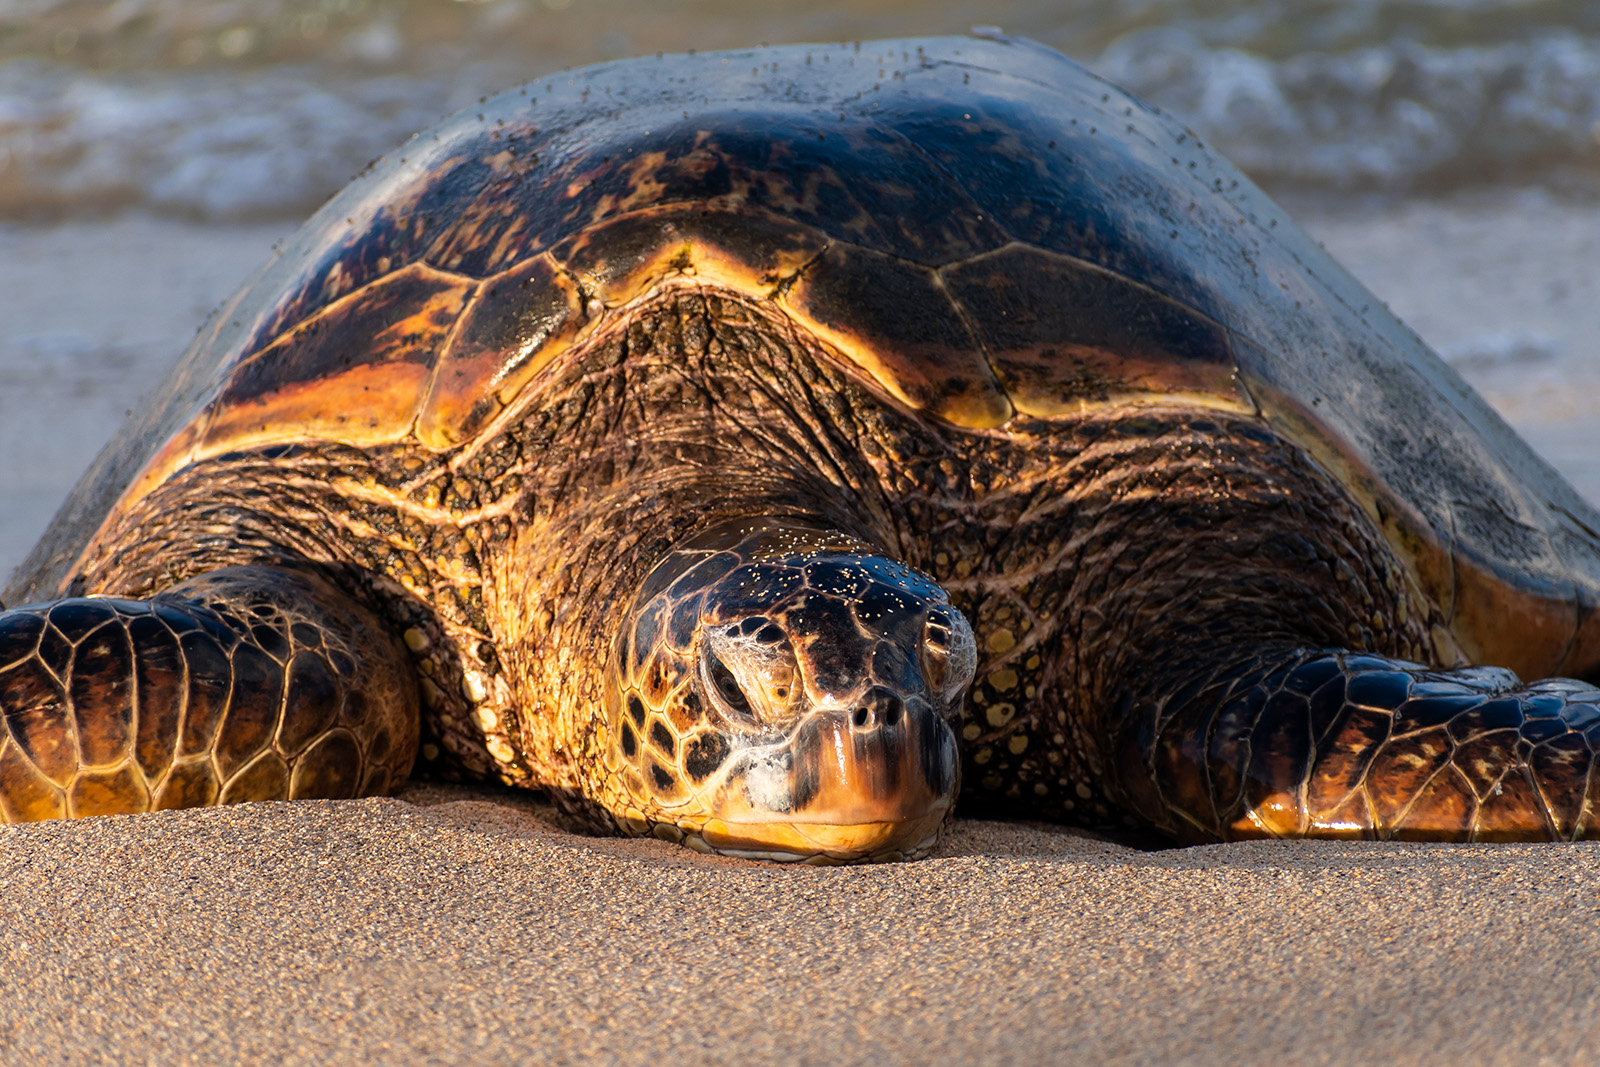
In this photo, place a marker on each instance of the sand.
(384, 932)
(457, 926)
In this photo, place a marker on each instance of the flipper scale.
(227, 691)
(1411, 752)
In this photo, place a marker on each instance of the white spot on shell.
(474, 686)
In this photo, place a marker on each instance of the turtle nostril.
(883, 710)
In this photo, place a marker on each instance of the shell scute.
(742, 248)
(816, 172)
(1527, 619)
(459, 210)
(1064, 335)
(1069, 177)
(518, 321)
(862, 303)
(355, 372)
(790, 161)
(479, 219)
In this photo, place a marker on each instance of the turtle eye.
(724, 689)
(947, 655)
(935, 653)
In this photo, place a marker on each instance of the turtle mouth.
(823, 843)
(874, 782)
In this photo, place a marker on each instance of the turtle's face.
(784, 693)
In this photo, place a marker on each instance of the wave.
(1397, 116)
(211, 144)
(273, 139)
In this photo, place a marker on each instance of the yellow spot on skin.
(1084, 791)
(472, 686)
(942, 559)
(1002, 641)
(970, 731)
(1040, 788)
(430, 752)
(1032, 664)
(983, 755)
(963, 568)
(487, 718)
(1029, 692)
(993, 781)
(500, 750)
(415, 639)
(1001, 714)
(1018, 744)
(1003, 681)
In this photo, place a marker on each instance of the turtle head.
(784, 692)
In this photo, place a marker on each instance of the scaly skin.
(250, 683)
(1324, 743)
(779, 691)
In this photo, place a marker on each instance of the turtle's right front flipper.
(249, 683)
(1326, 743)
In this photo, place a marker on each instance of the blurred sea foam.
(239, 109)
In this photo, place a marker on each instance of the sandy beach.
(456, 926)
(387, 932)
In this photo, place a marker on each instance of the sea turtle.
(763, 449)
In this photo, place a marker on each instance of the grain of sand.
(458, 926)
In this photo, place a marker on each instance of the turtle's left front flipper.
(1329, 743)
(247, 683)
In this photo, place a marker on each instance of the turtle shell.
(987, 232)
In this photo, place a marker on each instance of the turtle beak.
(875, 781)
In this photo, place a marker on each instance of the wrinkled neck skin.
(780, 690)
(688, 434)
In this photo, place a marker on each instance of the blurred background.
(152, 151)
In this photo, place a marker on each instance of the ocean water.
(256, 109)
